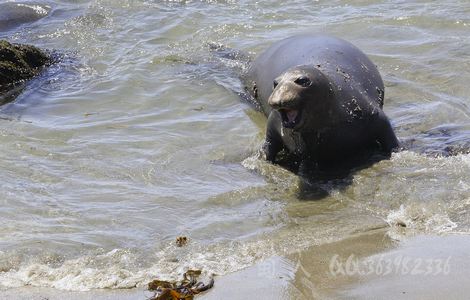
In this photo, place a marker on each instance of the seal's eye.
(303, 81)
(275, 83)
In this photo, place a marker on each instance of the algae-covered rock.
(17, 64)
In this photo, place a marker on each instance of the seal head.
(299, 94)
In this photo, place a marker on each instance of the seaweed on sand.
(183, 290)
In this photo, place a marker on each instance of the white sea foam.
(121, 269)
(38, 9)
(421, 218)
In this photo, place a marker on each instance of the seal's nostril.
(303, 81)
(275, 83)
(274, 105)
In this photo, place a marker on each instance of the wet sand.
(438, 268)
(420, 267)
(367, 266)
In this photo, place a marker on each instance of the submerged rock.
(18, 63)
(14, 14)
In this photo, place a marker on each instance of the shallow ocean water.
(137, 137)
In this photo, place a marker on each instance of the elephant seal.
(323, 98)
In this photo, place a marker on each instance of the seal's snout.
(283, 96)
(285, 99)
(278, 104)
(288, 107)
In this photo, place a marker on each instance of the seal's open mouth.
(290, 117)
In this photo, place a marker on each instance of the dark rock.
(18, 63)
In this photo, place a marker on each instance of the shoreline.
(422, 267)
